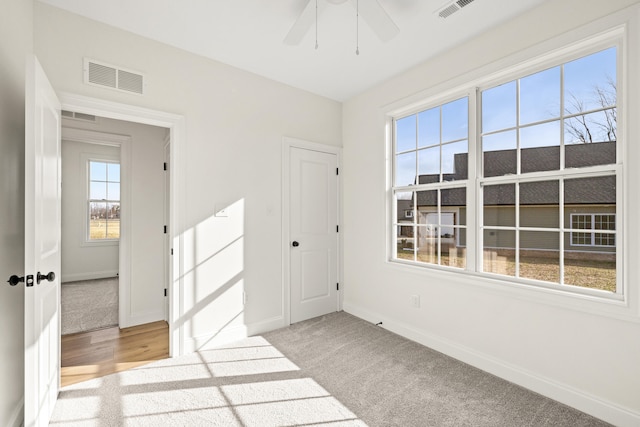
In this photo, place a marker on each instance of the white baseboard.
(89, 276)
(234, 333)
(550, 388)
(17, 416)
(130, 321)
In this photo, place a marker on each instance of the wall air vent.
(105, 75)
(79, 116)
(451, 8)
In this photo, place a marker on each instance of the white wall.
(16, 40)
(144, 300)
(553, 345)
(235, 122)
(79, 260)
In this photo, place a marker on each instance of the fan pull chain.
(316, 24)
(357, 27)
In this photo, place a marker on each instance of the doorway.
(176, 127)
(119, 231)
(91, 183)
(311, 229)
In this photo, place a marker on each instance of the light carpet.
(88, 304)
(335, 370)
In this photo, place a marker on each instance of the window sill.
(591, 302)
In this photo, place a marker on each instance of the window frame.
(591, 231)
(86, 160)
(614, 36)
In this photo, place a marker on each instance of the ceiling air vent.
(105, 75)
(451, 8)
(78, 116)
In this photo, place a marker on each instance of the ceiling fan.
(370, 10)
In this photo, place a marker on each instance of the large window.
(103, 201)
(541, 178)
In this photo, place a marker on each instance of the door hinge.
(337, 286)
(164, 166)
(165, 292)
(165, 229)
(171, 251)
(337, 228)
(337, 171)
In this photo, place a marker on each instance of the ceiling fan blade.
(377, 18)
(304, 22)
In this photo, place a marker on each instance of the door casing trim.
(287, 144)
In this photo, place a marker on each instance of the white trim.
(141, 319)
(287, 144)
(177, 126)
(105, 274)
(545, 386)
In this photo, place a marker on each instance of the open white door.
(42, 247)
(314, 233)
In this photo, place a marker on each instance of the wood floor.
(93, 354)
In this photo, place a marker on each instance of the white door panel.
(313, 226)
(42, 247)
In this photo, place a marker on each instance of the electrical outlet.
(415, 301)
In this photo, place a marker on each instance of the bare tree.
(583, 129)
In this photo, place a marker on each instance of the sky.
(426, 142)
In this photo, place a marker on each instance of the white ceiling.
(248, 34)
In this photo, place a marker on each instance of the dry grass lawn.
(98, 229)
(582, 273)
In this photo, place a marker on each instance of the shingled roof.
(582, 191)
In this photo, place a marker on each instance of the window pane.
(429, 128)
(499, 153)
(540, 96)
(590, 82)
(113, 171)
(406, 134)
(600, 126)
(427, 203)
(590, 268)
(97, 171)
(451, 200)
(97, 220)
(455, 120)
(428, 242)
(595, 194)
(540, 204)
(498, 252)
(404, 244)
(404, 207)
(540, 256)
(454, 161)
(98, 190)
(406, 169)
(499, 205)
(429, 165)
(453, 254)
(499, 107)
(113, 221)
(540, 147)
(113, 191)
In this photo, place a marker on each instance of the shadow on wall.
(213, 282)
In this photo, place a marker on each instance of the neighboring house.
(589, 204)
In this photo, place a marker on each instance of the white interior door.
(42, 247)
(314, 233)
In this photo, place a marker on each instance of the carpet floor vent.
(106, 75)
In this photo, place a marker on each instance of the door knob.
(50, 277)
(295, 244)
(14, 280)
